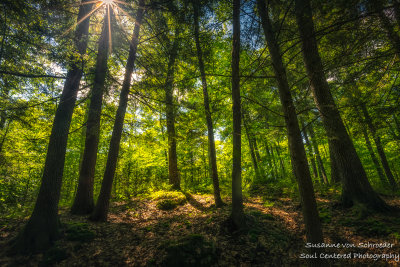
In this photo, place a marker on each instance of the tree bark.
(251, 147)
(296, 147)
(237, 214)
(173, 172)
(373, 157)
(83, 202)
(379, 147)
(393, 36)
(41, 230)
(101, 210)
(355, 185)
(210, 129)
(323, 177)
(311, 152)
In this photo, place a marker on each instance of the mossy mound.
(168, 200)
(53, 256)
(192, 250)
(79, 232)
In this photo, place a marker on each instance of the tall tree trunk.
(373, 157)
(296, 147)
(251, 147)
(173, 172)
(271, 160)
(83, 202)
(355, 185)
(278, 153)
(41, 230)
(210, 129)
(323, 177)
(101, 210)
(379, 147)
(237, 215)
(393, 36)
(310, 149)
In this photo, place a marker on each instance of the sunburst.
(104, 5)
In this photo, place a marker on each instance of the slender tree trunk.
(237, 215)
(373, 157)
(83, 202)
(393, 36)
(296, 147)
(396, 6)
(379, 147)
(41, 230)
(271, 161)
(173, 172)
(102, 205)
(251, 147)
(278, 153)
(310, 149)
(323, 177)
(355, 185)
(210, 129)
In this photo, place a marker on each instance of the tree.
(297, 152)
(210, 128)
(83, 202)
(237, 214)
(356, 187)
(41, 230)
(173, 172)
(101, 210)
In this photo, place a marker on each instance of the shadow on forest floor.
(140, 234)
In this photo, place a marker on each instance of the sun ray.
(120, 2)
(80, 21)
(125, 33)
(125, 13)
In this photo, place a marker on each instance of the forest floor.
(195, 233)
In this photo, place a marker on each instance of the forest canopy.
(216, 104)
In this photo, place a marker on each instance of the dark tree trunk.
(173, 172)
(271, 161)
(373, 157)
(311, 152)
(41, 230)
(101, 210)
(237, 215)
(355, 185)
(296, 147)
(278, 153)
(393, 36)
(83, 202)
(379, 147)
(323, 177)
(251, 147)
(210, 129)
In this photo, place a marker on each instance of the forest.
(199, 133)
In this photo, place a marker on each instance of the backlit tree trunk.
(296, 147)
(173, 172)
(237, 198)
(210, 128)
(102, 205)
(83, 202)
(379, 147)
(355, 185)
(41, 230)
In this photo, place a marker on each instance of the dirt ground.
(138, 233)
